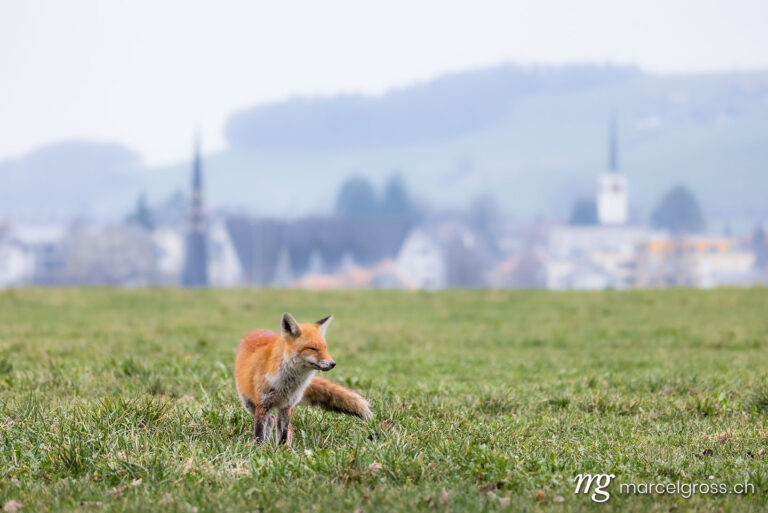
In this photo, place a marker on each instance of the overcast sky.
(147, 73)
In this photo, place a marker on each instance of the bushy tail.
(332, 397)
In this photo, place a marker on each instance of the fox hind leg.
(263, 425)
(284, 428)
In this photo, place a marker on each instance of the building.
(111, 255)
(421, 261)
(224, 269)
(594, 257)
(692, 261)
(612, 193)
(169, 242)
(282, 253)
(598, 256)
(195, 272)
(32, 254)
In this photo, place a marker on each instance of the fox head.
(307, 341)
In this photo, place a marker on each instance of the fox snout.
(326, 365)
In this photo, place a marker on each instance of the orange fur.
(255, 350)
(275, 370)
(332, 397)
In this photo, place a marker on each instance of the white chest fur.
(288, 385)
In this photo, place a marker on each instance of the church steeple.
(197, 175)
(613, 148)
(612, 199)
(196, 263)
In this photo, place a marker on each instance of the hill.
(70, 179)
(535, 137)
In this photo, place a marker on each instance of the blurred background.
(414, 145)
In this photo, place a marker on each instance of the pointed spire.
(197, 178)
(196, 262)
(613, 147)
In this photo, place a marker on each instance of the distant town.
(386, 240)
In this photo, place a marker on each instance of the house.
(224, 267)
(32, 254)
(421, 261)
(169, 242)
(594, 256)
(693, 261)
(15, 266)
(114, 255)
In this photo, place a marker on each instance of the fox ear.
(324, 323)
(289, 326)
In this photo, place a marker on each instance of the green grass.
(124, 400)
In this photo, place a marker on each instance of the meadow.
(123, 400)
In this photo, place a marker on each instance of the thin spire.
(196, 264)
(197, 178)
(613, 147)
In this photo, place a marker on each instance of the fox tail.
(336, 398)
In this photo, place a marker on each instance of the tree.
(484, 219)
(484, 214)
(678, 211)
(584, 213)
(760, 247)
(141, 216)
(357, 199)
(397, 202)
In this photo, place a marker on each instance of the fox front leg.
(284, 429)
(263, 425)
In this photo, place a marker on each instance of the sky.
(147, 74)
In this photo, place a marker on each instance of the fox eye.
(312, 348)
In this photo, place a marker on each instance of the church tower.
(196, 262)
(612, 187)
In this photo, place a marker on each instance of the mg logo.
(584, 484)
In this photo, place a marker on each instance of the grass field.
(124, 401)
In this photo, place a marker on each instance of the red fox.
(277, 371)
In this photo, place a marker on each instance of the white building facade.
(612, 199)
(421, 261)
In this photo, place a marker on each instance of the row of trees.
(357, 198)
(678, 210)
